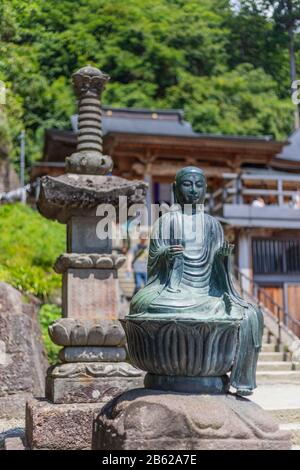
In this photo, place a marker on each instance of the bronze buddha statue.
(189, 283)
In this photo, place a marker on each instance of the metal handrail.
(282, 315)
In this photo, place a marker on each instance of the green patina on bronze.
(188, 321)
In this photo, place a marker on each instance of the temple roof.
(168, 122)
(128, 132)
(143, 121)
(290, 153)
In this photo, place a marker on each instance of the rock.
(153, 420)
(13, 405)
(23, 361)
(59, 427)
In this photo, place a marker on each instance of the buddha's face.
(191, 188)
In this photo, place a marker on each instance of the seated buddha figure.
(189, 276)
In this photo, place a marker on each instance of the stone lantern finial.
(88, 84)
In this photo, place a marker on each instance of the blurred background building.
(253, 188)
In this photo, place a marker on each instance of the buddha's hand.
(173, 251)
(226, 249)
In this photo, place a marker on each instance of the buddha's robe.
(197, 286)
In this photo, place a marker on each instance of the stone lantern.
(92, 367)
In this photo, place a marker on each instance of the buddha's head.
(190, 186)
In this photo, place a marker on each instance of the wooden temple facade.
(253, 188)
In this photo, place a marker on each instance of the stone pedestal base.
(59, 427)
(153, 420)
(90, 382)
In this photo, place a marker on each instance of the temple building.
(253, 188)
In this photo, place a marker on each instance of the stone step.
(290, 376)
(268, 347)
(274, 366)
(286, 415)
(271, 356)
(269, 339)
(294, 429)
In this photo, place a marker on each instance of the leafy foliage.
(227, 67)
(29, 246)
(47, 314)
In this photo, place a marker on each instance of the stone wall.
(23, 360)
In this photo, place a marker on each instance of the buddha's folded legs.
(250, 338)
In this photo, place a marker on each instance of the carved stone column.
(88, 85)
(92, 367)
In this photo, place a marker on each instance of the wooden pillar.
(239, 189)
(280, 192)
(244, 259)
(148, 179)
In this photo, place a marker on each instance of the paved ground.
(277, 396)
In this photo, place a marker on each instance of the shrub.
(29, 246)
(47, 314)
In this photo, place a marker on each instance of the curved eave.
(242, 144)
(286, 165)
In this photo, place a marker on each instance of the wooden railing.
(263, 298)
(276, 256)
(278, 190)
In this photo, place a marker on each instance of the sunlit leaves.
(228, 68)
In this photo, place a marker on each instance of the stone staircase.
(278, 380)
(278, 371)
(276, 365)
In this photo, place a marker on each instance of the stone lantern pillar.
(93, 367)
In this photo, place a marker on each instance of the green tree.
(166, 53)
(285, 15)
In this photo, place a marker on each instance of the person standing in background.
(295, 203)
(137, 261)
